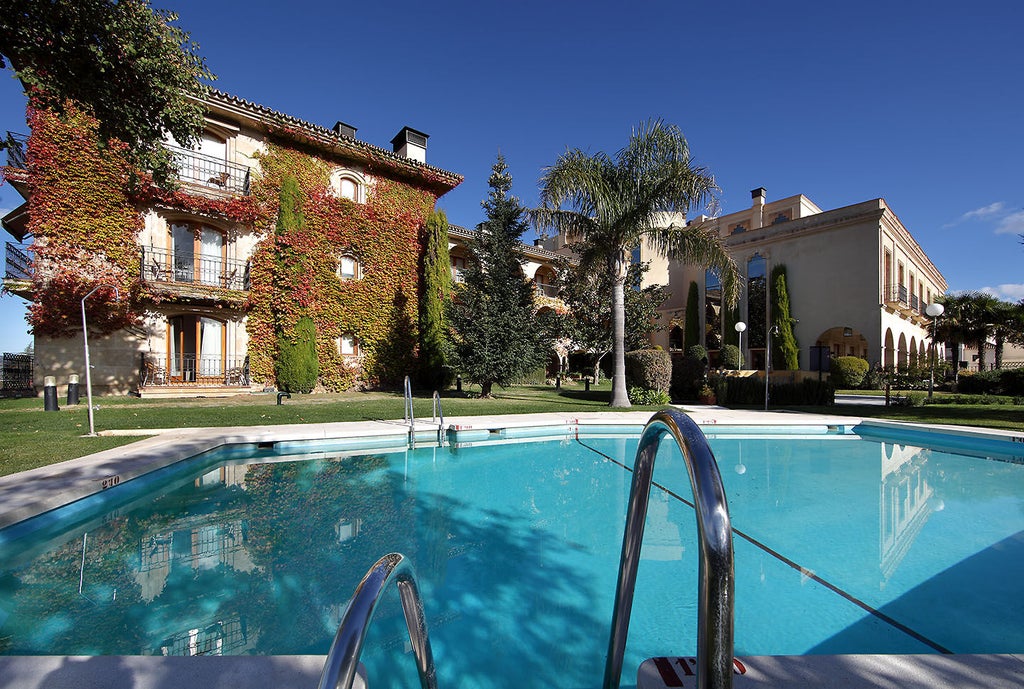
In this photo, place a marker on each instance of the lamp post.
(740, 327)
(933, 310)
(773, 330)
(88, 368)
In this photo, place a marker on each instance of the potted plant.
(706, 395)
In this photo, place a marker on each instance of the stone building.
(197, 253)
(858, 283)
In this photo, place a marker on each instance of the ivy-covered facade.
(205, 285)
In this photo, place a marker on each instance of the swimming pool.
(843, 545)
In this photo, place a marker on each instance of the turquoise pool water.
(843, 545)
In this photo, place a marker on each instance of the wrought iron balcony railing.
(184, 369)
(18, 263)
(897, 295)
(208, 171)
(16, 145)
(161, 265)
(547, 290)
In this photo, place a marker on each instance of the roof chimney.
(757, 216)
(411, 144)
(344, 129)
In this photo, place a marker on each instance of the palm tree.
(969, 320)
(639, 196)
(1007, 326)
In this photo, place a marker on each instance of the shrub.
(848, 372)
(730, 357)
(650, 369)
(645, 397)
(688, 374)
(296, 367)
(1001, 381)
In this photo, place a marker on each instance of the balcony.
(201, 170)
(897, 296)
(18, 262)
(16, 145)
(547, 290)
(163, 266)
(178, 370)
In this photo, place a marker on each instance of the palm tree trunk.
(620, 398)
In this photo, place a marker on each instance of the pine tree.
(435, 293)
(497, 335)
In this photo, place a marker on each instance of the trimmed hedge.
(650, 369)
(848, 372)
(1001, 381)
(750, 391)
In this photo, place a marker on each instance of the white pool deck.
(34, 492)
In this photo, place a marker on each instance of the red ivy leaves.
(84, 223)
(295, 275)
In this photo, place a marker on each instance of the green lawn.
(30, 437)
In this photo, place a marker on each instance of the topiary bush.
(730, 357)
(296, 367)
(650, 369)
(697, 352)
(848, 372)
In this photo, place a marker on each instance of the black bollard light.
(586, 380)
(458, 383)
(50, 394)
(558, 381)
(72, 389)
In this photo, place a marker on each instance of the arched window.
(675, 338)
(349, 268)
(347, 184)
(544, 278)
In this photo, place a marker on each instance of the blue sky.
(916, 102)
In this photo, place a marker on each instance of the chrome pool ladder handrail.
(437, 416)
(410, 419)
(715, 613)
(343, 658)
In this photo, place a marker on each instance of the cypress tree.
(497, 336)
(785, 350)
(435, 293)
(296, 367)
(691, 331)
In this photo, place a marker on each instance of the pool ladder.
(715, 602)
(436, 415)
